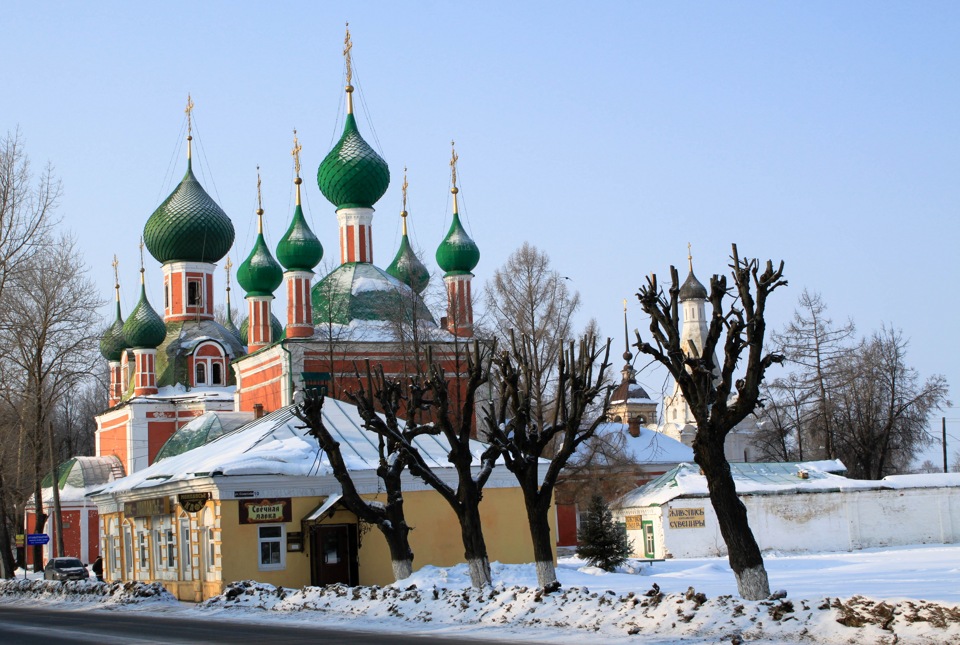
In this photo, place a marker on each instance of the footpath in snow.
(881, 596)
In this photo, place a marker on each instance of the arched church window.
(217, 374)
(201, 373)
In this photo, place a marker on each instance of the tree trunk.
(475, 548)
(537, 518)
(8, 563)
(743, 552)
(39, 523)
(57, 546)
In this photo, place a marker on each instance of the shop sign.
(192, 502)
(632, 522)
(147, 507)
(266, 510)
(244, 494)
(687, 518)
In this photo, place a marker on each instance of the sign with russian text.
(36, 539)
(632, 522)
(266, 510)
(147, 507)
(687, 518)
(193, 502)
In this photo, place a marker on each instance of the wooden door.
(333, 554)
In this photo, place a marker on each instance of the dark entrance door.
(333, 554)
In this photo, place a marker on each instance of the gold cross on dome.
(188, 110)
(453, 163)
(296, 152)
(347, 46)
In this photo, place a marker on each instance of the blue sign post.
(34, 539)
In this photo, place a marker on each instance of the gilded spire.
(403, 209)
(226, 268)
(116, 277)
(347, 46)
(690, 256)
(453, 174)
(296, 163)
(188, 110)
(141, 261)
(259, 205)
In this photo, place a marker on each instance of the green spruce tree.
(601, 541)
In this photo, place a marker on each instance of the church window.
(166, 295)
(194, 293)
(217, 374)
(201, 373)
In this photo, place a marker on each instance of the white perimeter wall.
(842, 521)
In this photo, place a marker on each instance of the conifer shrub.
(600, 541)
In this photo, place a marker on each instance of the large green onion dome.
(299, 249)
(362, 291)
(144, 328)
(260, 274)
(188, 226)
(276, 327)
(457, 253)
(112, 343)
(407, 267)
(353, 175)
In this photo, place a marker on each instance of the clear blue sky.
(608, 134)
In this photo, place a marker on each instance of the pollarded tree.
(452, 420)
(388, 518)
(523, 439)
(710, 392)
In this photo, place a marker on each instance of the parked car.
(65, 569)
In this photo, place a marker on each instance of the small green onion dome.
(353, 175)
(260, 274)
(457, 253)
(144, 328)
(692, 289)
(112, 343)
(188, 226)
(299, 249)
(407, 267)
(276, 328)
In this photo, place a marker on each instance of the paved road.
(22, 626)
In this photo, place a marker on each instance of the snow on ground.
(897, 595)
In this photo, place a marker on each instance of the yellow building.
(224, 503)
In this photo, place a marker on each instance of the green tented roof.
(362, 291)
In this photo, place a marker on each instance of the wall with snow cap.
(808, 522)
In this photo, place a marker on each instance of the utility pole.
(943, 425)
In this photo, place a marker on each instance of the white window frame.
(186, 562)
(281, 542)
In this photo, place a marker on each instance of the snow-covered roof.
(650, 447)
(774, 479)
(180, 394)
(278, 444)
(81, 475)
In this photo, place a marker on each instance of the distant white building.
(792, 507)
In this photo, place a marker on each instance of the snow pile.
(86, 591)
(611, 614)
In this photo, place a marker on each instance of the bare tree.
(527, 296)
(782, 421)
(815, 346)
(48, 344)
(522, 439)
(709, 392)
(431, 393)
(880, 414)
(388, 518)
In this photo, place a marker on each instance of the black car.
(65, 569)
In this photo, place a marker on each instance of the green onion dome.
(188, 226)
(112, 343)
(260, 274)
(299, 249)
(407, 267)
(457, 253)
(144, 328)
(353, 175)
(276, 328)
